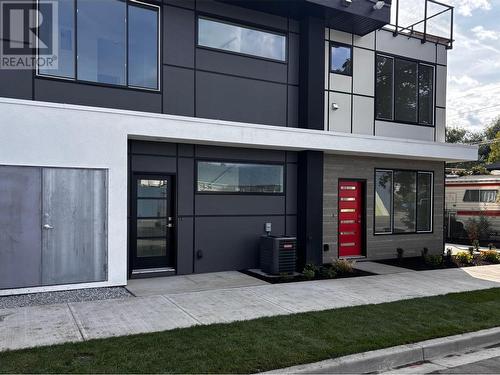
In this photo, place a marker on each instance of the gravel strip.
(49, 298)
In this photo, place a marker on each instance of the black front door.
(152, 222)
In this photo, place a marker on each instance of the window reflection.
(228, 37)
(239, 177)
(341, 59)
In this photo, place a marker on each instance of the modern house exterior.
(174, 133)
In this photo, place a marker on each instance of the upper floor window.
(484, 196)
(341, 59)
(403, 201)
(241, 39)
(108, 41)
(405, 91)
(243, 178)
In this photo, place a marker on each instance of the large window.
(341, 59)
(114, 42)
(222, 177)
(405, 91)
(403, 201)
(241, 39)
(483, 196)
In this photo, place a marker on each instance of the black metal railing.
(421, 29)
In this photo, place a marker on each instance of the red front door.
(350, 218)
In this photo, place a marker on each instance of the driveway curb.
(389, 358)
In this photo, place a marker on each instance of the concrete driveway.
(52, 324)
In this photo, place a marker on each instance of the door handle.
(48, 226)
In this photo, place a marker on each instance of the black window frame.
(330, 59)
(238, 161)
(244, 25)
(417, 172)
(144, 4)
(419, 63)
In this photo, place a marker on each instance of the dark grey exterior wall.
(195, 81)
(223, 228)
(378, 246)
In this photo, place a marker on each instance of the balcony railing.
(427, 20)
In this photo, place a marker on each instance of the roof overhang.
(359, 17)
(168, 128)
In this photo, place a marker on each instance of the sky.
(473, 99)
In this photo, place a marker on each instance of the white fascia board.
(161, 127)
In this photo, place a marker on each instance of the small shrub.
(471, 250)
(491, 246)
(327, 272)
(475, 243)
(400, 252)
(491, 256)
(464, 257)
(425, 252)
(435, 261)
(449, 253)
(309, 271)
(343, 266)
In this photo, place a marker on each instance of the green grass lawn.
(268, 343)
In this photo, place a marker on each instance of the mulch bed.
(298, 278)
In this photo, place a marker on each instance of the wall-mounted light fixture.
(379, 5)
(335, 106)
(346, 3)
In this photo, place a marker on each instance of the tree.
(492, 130)
(494, 154)
(455, 134)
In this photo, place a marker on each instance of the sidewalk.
(53, 324)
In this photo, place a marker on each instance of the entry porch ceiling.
(358, 18)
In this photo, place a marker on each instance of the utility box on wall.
(278, 254)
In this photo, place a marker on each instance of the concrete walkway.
(191, 283)
(379, 268)
(53, 324)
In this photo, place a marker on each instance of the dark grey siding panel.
(185, 245)
(250, 154)
(181, 3)
(228, 63)
(293, 59)
(178, 36)
(186, 150)
(214, 204)
(291, 189)
(240, 99)
(16, 84)
(293, 106)
(98, 96)
(153, 148)
(294, 25)
(178, 91)
(291, 157)
(231, 243)
(243, 14)
(185, 185)
(291, 225)
(20, 227)
(154, 164)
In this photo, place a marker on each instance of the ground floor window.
(403, 201)
(243, 178)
